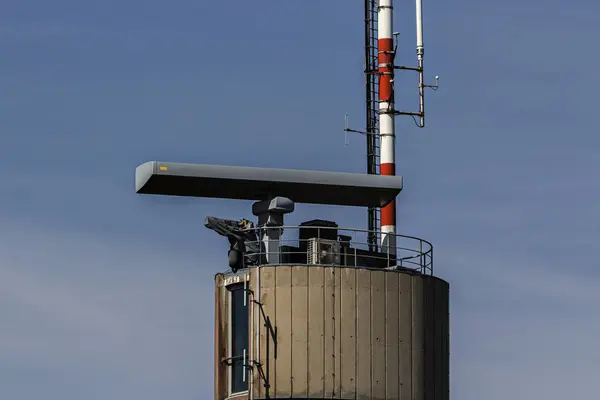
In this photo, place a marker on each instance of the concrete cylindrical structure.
(333, 332)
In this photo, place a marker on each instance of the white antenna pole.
(420, 53)
(419, 30)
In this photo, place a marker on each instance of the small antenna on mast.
(420, 71)
(419, 23)
(346, 129)
(346, 141)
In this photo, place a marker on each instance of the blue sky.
(105, 294)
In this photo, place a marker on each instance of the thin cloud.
(95, 307)
(521, 329)
(36, 31)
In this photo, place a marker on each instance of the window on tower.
(238, 342)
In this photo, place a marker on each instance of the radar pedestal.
(270, 217)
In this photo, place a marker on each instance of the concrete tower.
(331, 332)
(309, 311)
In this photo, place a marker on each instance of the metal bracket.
(228, 360)
(418, 69)
(436, 86)
(272, 330)
(421, 113)
(261, 372)
(272, 334)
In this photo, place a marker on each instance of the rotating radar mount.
(262, 245)
(275, 191)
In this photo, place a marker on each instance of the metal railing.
(312, 245)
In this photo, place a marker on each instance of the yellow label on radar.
(164, 168)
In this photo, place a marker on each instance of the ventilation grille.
(323, 252)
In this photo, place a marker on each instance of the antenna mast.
(371, 109)
(387, 136)
(380, 51)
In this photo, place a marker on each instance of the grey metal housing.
(251, 183)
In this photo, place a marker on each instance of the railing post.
(423, 268)
(388, 252)
(431, 266)
(354, 240)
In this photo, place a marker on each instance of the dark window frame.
(238, 340)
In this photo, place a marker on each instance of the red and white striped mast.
(385, 43)
(385, 110)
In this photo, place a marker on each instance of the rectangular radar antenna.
(274, 190)
(251, 183)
